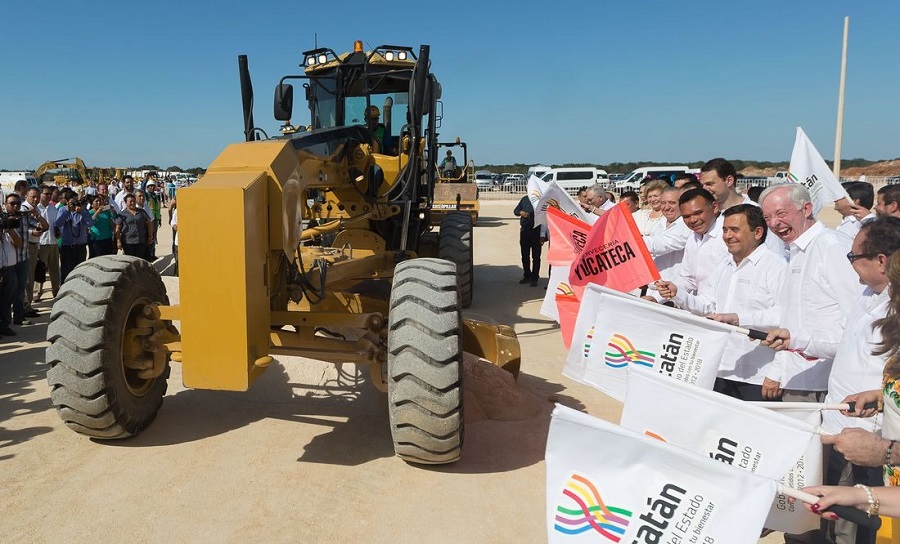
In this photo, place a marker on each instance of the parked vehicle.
(574, 178)
(537, 170)
(634, 179)
(514, 182)
(779, 177)
(484, 179)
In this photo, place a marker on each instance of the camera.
(10, 220)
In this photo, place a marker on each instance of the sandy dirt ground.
(306, 454)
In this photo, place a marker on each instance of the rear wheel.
(455, 245)
(99, 378)
(424, 361)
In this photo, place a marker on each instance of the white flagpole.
(839, 133)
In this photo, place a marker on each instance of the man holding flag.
(746, 294)
(704, 251)
(819, 293)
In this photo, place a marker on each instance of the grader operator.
(320, 249)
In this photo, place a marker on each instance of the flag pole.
(839, 133)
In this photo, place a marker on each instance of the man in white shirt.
(820, 291)
(719, 177)
(887, 201)
(747, 291)
(704, 251)
(863, 196)
(855, 368)
(596, 201)
(127, 189)
(48, 249)
(668, 262)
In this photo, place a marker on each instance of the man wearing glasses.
(856, 368)
(10, 242)
(48, 250)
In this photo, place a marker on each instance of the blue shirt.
(73, 227)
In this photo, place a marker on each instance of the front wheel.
(103, 382)
(424, 362)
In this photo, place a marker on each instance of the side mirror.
(284, 101)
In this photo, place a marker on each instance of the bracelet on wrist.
(888, 452)
(871, 500)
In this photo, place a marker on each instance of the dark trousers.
(530, 244)
(137, 250)
(9, 285)
(19, 299)
(739, 390)
(102, 247)
(69, 258)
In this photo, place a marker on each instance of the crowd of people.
(761, 260)
(49, 230)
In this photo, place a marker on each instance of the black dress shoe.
(31, 313)
(8, 332)
(523, 281)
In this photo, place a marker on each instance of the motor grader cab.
(306, 244)
(455, 190)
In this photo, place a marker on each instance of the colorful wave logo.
(793, 177)
(588, 340)
(583, 510)
(620, 352)
(563, 289)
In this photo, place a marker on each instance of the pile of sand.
(491, 393)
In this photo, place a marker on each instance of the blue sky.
(129, 83)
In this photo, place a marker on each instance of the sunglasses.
(851, 257)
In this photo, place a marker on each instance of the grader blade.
(496, 343)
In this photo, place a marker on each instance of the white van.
(537, 170)
(574, 178)
(8, 181)
(634, 179)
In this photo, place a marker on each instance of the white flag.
(735, 432)
(558, 275)
(552, 191)
(614, 331)
(536, 188)
(789, 517)
(609, 484)
(809, 169)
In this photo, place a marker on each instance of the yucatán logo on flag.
(581, 509)
(620, 351)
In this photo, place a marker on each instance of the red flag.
(568, 236)
(614, 255)
(567, 305)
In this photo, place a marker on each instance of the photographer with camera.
(74, 224)
(101, 239)
(10, 243)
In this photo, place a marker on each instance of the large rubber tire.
(425, 362)
(93, 391)
(455, 245)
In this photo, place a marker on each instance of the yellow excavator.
(62, 172)
(322, 248)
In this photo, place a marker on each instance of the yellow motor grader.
(309, 243)
(455, 190)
